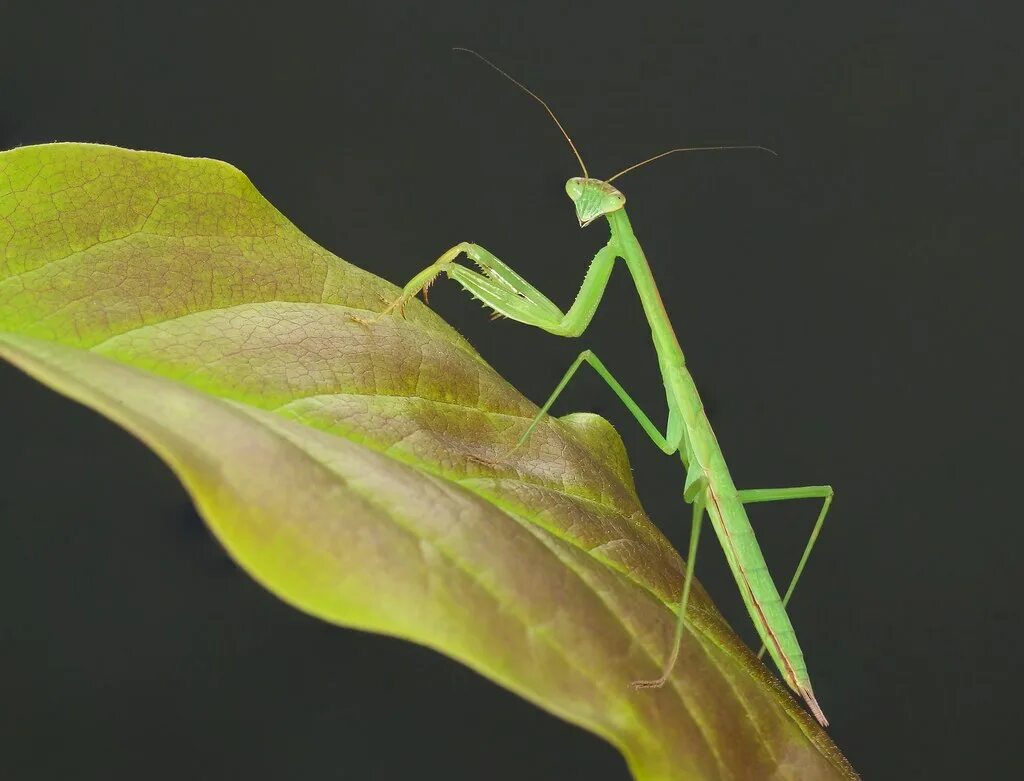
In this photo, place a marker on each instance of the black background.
(847, 310)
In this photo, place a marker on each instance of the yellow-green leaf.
(363, 470)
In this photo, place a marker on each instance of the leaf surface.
(363, 470)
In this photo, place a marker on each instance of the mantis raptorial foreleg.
(500, 272)
(509, 295)
(667, 443)
(753, 495)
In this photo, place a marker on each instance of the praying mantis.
(708, 486)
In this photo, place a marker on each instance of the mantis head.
(593, 198)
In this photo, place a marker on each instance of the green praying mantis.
(708, 486)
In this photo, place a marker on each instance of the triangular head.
(593, 198)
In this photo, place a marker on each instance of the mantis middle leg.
(667, 443)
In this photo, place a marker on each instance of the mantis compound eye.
(574, 188)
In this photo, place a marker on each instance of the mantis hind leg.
(691, 563)
(667, 443)
(825, 492)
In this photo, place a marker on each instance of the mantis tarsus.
(708, 485)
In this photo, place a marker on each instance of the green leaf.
(362, 471)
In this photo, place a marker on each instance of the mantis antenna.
(688, 149)
(533, 95)
(572, 146)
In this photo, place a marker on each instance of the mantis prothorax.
(708, 485)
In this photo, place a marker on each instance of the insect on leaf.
(361, 471)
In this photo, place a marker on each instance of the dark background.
(847, 310)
